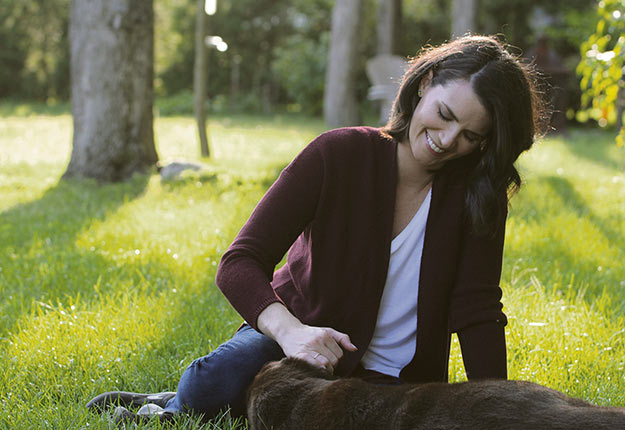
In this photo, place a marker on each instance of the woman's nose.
(449, 137)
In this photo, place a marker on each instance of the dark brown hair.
(508, 90)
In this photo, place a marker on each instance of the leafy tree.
(34, 54)
(301, 65)
(601, 68)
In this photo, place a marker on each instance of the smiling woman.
(450, 122)
(394, 239)
(499, 108)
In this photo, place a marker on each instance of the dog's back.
(292, 394)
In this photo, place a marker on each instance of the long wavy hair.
(508, 89)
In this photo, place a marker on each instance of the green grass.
(112, 287)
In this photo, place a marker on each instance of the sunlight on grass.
(567, 222)
(112, 286)
(241, 144)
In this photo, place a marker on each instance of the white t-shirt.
(395, 336)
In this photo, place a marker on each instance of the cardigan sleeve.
(246, 269)
(475, 308)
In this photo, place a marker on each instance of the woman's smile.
(448, 122)
(432, 145)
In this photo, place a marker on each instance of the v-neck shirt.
(395, 336)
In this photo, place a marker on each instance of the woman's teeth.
(432, 145)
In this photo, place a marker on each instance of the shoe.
(125, 398)
(152, 410)
(123, 416)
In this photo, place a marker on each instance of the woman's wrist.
(276, 321)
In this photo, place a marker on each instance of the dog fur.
(292, 394)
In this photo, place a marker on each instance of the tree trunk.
(112, 69)
(340, 105)
(199, 77)
(388, 27)
(463, 17)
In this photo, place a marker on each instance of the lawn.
(112, 287)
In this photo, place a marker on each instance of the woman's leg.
(220, 379)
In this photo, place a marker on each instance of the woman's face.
(448, 122)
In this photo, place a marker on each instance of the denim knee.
(220, 379)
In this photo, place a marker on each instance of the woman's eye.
(474, 140)
(443, 117)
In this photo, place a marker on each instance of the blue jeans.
(220, 379)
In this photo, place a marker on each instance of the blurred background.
(276, 51)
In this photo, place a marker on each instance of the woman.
(394, 238)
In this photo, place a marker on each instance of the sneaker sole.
(126, 398)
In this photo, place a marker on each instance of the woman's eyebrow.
(455, 118)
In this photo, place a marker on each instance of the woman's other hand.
(319, 346)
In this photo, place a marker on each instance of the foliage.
(601, 68)
(252, 75)
(523, 25)
(34, 59)
(301, 66)
(111, 287)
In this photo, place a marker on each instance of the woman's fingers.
(343, 340)
(331, 350)
(320, 346)
(316, 359)
(323, 361)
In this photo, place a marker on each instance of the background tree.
(463, 17)
(34, 59)
(340, 106)
(200, 71)
(278, 49)
(112, 63)
(389, 13)
(601, 68)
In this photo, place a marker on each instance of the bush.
(601, 68)
(300, 66)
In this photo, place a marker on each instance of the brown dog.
(291, 394)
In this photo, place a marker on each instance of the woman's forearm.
(276, 321)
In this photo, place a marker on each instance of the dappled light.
(135, 142)
(112, 287)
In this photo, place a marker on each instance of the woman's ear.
(425, 82)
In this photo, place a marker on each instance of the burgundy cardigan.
(333, 207)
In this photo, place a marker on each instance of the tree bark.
(112, 69)
(388, 27)
(340, 104)
(463, 17)
(200, 70)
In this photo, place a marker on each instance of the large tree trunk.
(388, 27)
(112, 69)
(463, 17)
(340, 105)
(199, 77)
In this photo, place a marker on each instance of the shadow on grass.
(574, 201)
(39, 261)
(555, 261)
(596, 147)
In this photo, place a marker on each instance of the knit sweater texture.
(332, 210)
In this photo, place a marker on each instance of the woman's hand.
(319, 346)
